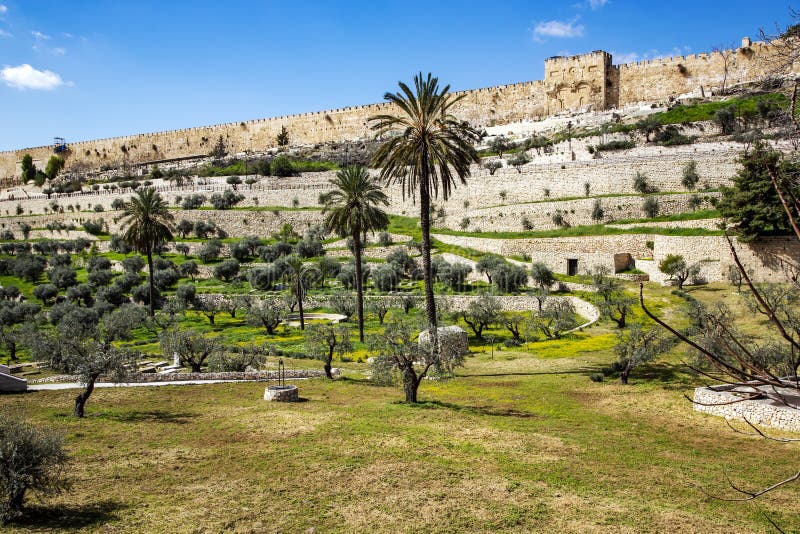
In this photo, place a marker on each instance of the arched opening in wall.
(581, 102)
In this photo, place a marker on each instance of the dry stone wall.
(724, 402)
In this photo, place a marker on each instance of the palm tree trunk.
(359, 283)
(150, 279)
(430, 302)
(425, 226)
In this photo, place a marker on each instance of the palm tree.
(300, 276)
(428, 151)
(149, 225)
(351, 210)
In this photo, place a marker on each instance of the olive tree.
(480, 313)
(268, 313)
(31, 459)
(398, 350)
(192, 348)
(322, 341)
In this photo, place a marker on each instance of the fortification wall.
(481, 107)
(659, 79)
(587, 81)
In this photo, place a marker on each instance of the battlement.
(580, 82)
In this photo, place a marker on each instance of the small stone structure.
(453, 337)
(287, 393)
(722, 401)
(9, 383)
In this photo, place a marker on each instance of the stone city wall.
(586, 81)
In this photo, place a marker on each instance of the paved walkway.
(78, 385)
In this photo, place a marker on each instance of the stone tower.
(585, 81)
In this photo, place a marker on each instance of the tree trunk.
(425, 226)
(300, 304)
(623, 377)
(196, 367)
(150, 280)
(359, 283)
(328, 365)
(410, 383)
(80, 400)
(12, 350)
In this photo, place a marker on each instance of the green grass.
(686, 216)
(579, 231)
(519, 441)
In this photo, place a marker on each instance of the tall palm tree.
(148, 225)
(300, 276)
(351, 210)
(428, 150)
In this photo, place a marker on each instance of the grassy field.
(521, 441)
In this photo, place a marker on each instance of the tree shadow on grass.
(478, 410)
(68, 516)
(670, 376)
(146, 416)
(585, 370)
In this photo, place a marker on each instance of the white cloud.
(27, 77)
(597, 4)
(58, 51)
(557, 28)
(3, 9)
(40, 36)
(4, 33)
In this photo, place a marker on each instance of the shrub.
(93, 227)
(642, 185)
(62, 276)
(98, 208)
(45, 292)
(165, 278)
(615, 145)
(210, 250)
(192, 202)
(226, 270)
(596, 377)
(263, 278)
(282, 167)
(559, 220)
(134, 264)
(385, 278)
(597, 211)
(689, 176)
(492, 166)
(240, 251)
(526, 223)
(726, 119)
(695, 201)
(384, 239)
(117, 244)
(671, 136)
(226, 200)
(309, 248)
(117, 204)
(33, 459)
(650, 207)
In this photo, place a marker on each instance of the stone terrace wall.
(718, 400)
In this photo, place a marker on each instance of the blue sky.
(87, 69)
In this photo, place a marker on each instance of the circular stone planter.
(281, 393)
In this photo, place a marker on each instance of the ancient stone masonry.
(587, 81)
